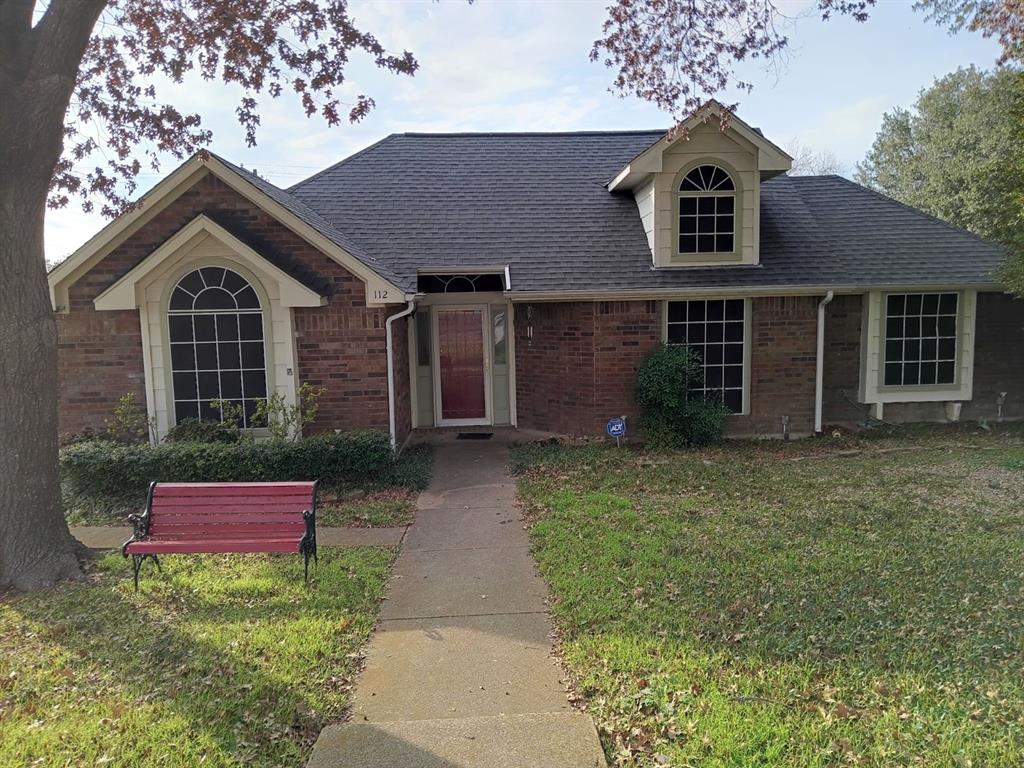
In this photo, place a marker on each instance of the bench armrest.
(308, 543)
(140, 521)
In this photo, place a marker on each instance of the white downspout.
(819, 363)
(391, 369)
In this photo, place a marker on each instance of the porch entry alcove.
(460, 351)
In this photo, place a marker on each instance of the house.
(519, 279)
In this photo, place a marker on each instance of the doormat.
(474, 436)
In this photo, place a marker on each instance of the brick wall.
(998, 357)
(783, 335)
(579, 368)
(340, 346)
(100, 359)
(842, 361)
(625, 332)
(555, 366)
(998, 367)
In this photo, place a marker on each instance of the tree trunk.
(36, 547)
(38, 68)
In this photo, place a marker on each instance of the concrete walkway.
(459, 673)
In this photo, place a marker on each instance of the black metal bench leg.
(305, 557)
(156, 560)
(136, 565)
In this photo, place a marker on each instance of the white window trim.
(708, 258)
(747, 339)
(267, 340)
(153, 293)
(872, 389)
(737, 201)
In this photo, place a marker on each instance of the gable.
(205, 185)
(203, 239)
(698, 131)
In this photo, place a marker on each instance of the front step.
(544, 740)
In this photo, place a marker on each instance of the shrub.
(196, 431)
(284, 421)
(672, 415)
(129, 422)
(106, 468)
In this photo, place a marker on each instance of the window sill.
(707, 260)
(920, 394)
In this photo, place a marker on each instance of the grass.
(850, 601)
(380, 509)
(383, 500)
(220, 661)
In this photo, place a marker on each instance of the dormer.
(698, 190)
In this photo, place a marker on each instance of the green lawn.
(378, 509)
(220, 661)
(818, 603)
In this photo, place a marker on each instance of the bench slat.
(165, 509)
(230, 518)
(185, 546)
(207, 490)
(250, 497)
(259, 527)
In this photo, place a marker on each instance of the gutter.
(391, 369)
(819, 362)
(686, 292)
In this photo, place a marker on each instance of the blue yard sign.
(616, 428)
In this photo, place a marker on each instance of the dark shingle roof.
(538, 203)
(313, 219)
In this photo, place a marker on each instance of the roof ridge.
(503, 134)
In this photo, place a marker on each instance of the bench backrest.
(226, 510)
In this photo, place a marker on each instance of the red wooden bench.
(224, 517)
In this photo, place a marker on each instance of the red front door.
(460, 346)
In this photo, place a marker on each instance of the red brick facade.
(998, 358)
(576, 363)
(783, 335)
(100, 359)
(842, 361)
(998, 366)
(340, 346)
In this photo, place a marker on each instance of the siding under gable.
(707, 143)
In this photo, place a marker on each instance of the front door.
(462, 365)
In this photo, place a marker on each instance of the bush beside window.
(672, 413)
(104, 468)
(196, 431)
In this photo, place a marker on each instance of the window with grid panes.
(707, 211)
(217, 346)
(714, 329)
(920, 339)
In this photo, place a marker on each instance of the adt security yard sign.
(616, 428)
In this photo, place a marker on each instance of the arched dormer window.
(215, 323)
(707, 211)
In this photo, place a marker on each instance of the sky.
(523, 65)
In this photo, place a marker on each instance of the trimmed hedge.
(103, 468)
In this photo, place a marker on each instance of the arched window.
(217, 347)
(707, 211)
